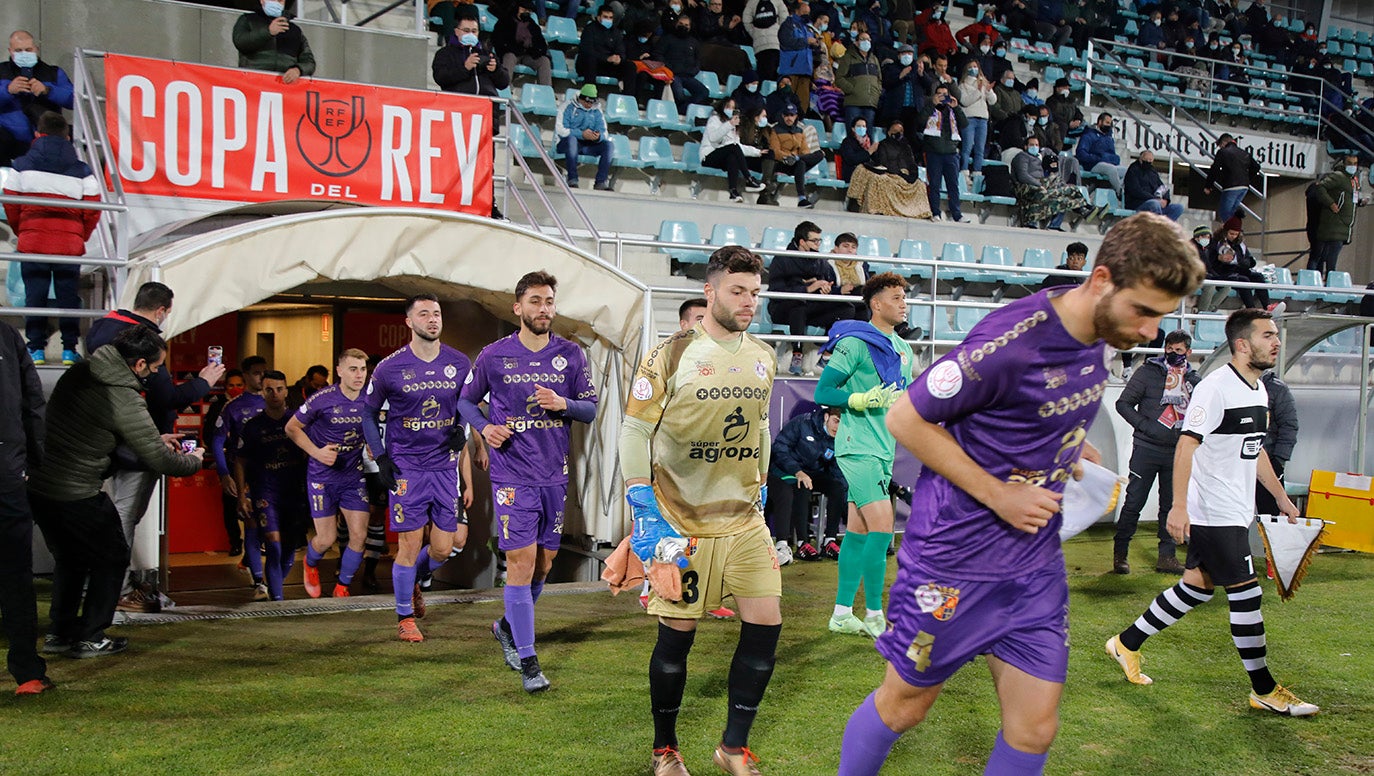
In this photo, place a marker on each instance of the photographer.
(465, 65)
(944, 124)
(267, 40)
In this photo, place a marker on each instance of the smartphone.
(215, 354)
(189, 444)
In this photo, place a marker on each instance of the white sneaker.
(784, 553)
(965, 219)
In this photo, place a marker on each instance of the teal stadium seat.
(775, 239)
(663, 115)
(657, 153)
(622, 155)
(623, 110)
(538, 99)
(685, 232)
(562, 30)
(730, 234)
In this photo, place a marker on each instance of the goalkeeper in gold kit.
(694, 454)
(870, 368)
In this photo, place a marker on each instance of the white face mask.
(1033, 150)
(1063, 92)
(985, 49)
(905, 59)
(1351, 169)
(1204, 241)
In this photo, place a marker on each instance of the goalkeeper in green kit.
(870, 367)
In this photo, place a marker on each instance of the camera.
(189, 444)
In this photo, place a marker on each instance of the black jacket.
(21, 411)
(598, 44)
(1139, 403)
(804, 446)
(944, 144)
(503, 38)
(681, 53)
(451, 75)
(1283, 420)
(1217, 269)
(788, 273)
(1141, 183)
(1231, 168)
(165, 398)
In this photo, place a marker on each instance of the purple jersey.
(273, 465)
(422, 406)
(331, 418)
(225, 440)
(506, 374)
(1018, 395)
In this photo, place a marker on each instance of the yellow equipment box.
(1348, 501)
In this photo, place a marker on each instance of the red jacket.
(969, 35)
(935, 36)
(51, 170)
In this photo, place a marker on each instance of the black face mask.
(681, 32)
(1176, 359)
(896, 135)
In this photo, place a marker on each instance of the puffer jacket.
(94, 407)
(1095, 147)
(860, 76)
(261, 50)
(575, 119)
(51, 170)
(765, 38)
(19, 112)
(21, 424)
(1333, 188)
(803, 445)
(788, 141)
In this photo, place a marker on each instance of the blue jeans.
(943, 169)
(852, 112)
(64, 279)
(1322, 259)
(1170, 210)
(600, 148)
(687, 90)
(1230, 203)
(975, 140)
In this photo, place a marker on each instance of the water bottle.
(672, 549)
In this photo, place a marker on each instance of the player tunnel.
(301, 287)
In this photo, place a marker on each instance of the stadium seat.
(730, 234)
(1339, 279)
(876, 248)
(558, 65)
(826, 138)
(697, 116)
(522, 143)
(1103, 195)
(662, 114)
(921, 315)
(563, 30)
(993, 256)
(914, 249)
(1037, 258)
(1209, 333)
(749, 52)
(763, 322)
(622, 156)
(1307, 278)
(732, 82)
(623, 110)
(485, 20)
(657, 153)
(828, 242)
(711, 81)
(691, 157)
(775, 239)
(685, 232)
(537, 99)
(823, 175)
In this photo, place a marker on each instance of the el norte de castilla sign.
(1276, 154)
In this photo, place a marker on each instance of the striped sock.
(375, 544)
(1247, 631)
(1167, 609)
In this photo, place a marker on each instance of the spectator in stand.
(852, 273)
(1256, 17)
(747, 99)
(975, 95)
(934, 31)
(797, 41)
(1042, 198)
(1008, 103)
(1096, 152)
(875, 22)
(1274, 40)
(803, 463)
(790, 153)
(1048, 131)
(1030, 93)
(762, 18)
(1307, 44)
(519, 40)
(1229, 259)
(1023, 19)
(1065, 110)
(1146, 192)
(639, 47)
(267, 40)
(442, 16)
(1151, 33)
(856, 148)
(1012, 132)
(891, 183)
(995, 65)
(782, 98)
(669, 15)
(1234, 71)
(941, 76)
(860, 76)
(902, 13)
(93, 409)
(944, 125)
(1334, 196)
(721, 148)
(721, 35)
(969, 36)
(601, 52)
(1075, 259)
(29, 87)
(755, 132)
(799, 275)
(129, 485)
(827, 99)
(1231, 170)
(466, 66)
(682, 54)
(904, 87)
(581, 129)
(1174, 30)
(50, 170)
(21, 452)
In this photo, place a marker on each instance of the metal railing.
(515, 118)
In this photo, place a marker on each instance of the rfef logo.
(326, 123)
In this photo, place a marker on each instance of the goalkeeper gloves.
(879, 397)
(650, 526)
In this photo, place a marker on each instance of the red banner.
(185, 130)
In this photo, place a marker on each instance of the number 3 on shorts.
(690, 594)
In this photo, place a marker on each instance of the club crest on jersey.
(643, 389)
(505, 496)
(317, 486)
(937, 600)
(450, 371)
(407, 373)
(944, 380)
(401, 487)
(761, 370)
(559, 363)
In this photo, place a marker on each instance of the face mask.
(1033, 150)
(864, 46)
(1063, 92)
(1311, 31)
(27, 59)
(905, 59)
(468, 39)
(643, 39)
(751, 88)
(1001, 52)
(1043, 120)
(1189, 44)
(1212, 46)
(682, 32)
(861, 132)
(235, 392)
(728, 112)
(1008, 82)
(985, 49)
(895, 135)
(973, 73)
(1158, 22)
(1204, 241)
(761, 122)
(1105, 129)
(854, 31)
(273, 9)
(607, 23)
(675, 8)
(1235, 52)
(1351, 169)
(1176, 359)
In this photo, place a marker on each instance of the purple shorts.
(938, 624)
(426, 497)
(526, 514)
(328, 497)
(276, 514)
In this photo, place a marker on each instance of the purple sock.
(252, 549)
(312, 555)
(422, 562)
(403, 584)
(867, 740)
(274, 574)
(536, 587)
(348, 565)
(288, 561)
(429, 565)
(1008, 761)
(520, 615)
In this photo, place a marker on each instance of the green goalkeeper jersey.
(865, 433)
